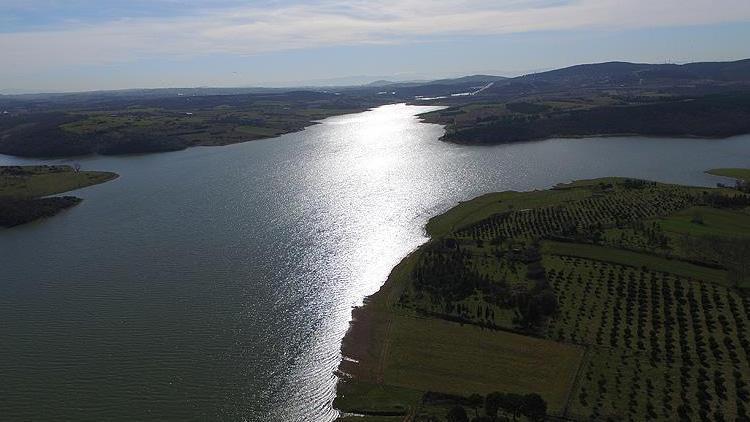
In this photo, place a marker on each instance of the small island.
(25, 190)
(601, 299)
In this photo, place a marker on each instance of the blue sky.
(70, 45)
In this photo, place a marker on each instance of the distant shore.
(707, 117)
(165, 125)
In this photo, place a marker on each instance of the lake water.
(217, 283)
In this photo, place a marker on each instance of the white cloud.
(253, 30)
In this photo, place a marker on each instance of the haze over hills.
(608, 74)
(624, 71)
(591, 76)
(628, 75)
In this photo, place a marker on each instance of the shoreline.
(397, 361)
(362, 350)
(599, 135)
(33, 192)
(362, 317)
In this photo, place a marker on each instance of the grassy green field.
(488, 205)
(428, 354)
(466, 359)
(610, 298)
(712, 222)
(735, 173)
(25, 191)
(36, 181)
(376, 399)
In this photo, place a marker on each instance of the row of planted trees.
(500, 406)
(689, 336)
(614, 209)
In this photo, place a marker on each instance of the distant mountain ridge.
(708, 99)
(482, 79)
(604, 73)
(593, 76)
(586, 75)
(709, 76)
(719, 71)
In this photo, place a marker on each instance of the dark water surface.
(217, 283)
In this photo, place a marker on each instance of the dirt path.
(383, 353)
(577, 380)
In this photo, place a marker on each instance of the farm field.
(635, 259)
(728, 223)
(659, 345)
(465, 360)
(610, 298)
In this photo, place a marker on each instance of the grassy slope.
(463, 360)
(735, 173)
(482, 207)
(24, 191)
(725, 223)
(399, 354)
(487, 205)
(365, 347)
(384, 381)
(36, 181)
